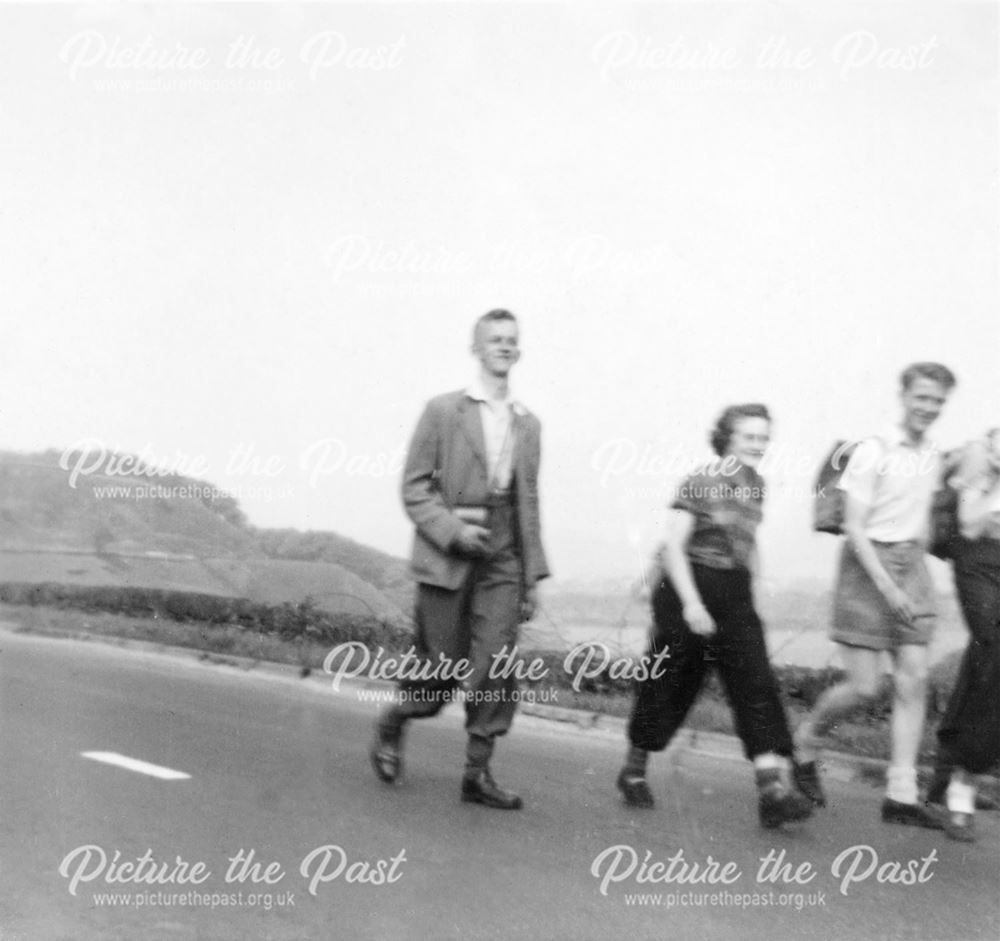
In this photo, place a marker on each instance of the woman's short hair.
(725, 426)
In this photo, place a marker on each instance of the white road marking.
(134, 764)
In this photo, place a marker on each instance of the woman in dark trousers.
(969, 735)
(703, 609)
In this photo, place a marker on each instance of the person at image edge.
(969, 734)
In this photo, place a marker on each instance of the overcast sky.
(250, 241)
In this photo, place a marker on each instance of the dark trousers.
(472, 623)
(739, 653)
(969, 734)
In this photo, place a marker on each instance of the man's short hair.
(719, 436)
(496, 314)
(936, 372)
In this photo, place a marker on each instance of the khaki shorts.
(861, 615)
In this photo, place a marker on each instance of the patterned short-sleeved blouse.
(726, 501)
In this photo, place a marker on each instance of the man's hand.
(529, 603)
(472, 540)
(698, 619)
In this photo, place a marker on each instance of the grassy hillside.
(40, 509)
(184, 536)
(385, 572)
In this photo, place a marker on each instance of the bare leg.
(859, 687)
(909, 704)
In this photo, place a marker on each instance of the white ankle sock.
(961, 797)
(769, 760)
(901, 784)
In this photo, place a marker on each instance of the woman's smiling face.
(749, 440)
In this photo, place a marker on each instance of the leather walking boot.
(777, 804)
(386, 750)
(635, 790)
(480, 788)
(806, 777)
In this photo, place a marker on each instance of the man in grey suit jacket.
(470, 486)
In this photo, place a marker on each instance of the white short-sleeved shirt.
(896, 480)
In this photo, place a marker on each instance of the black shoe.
(806, 778)
(634, 789)
(959, 827)
(482, 789)
(386, 752)
(912, 815)
(778, 805)
(938, 789)
(986, 803)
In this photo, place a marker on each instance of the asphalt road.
(278, 767)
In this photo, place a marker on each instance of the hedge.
(287, 620)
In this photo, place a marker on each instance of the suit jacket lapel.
(518, 429)
(472, 427)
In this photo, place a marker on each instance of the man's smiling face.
(496, 346)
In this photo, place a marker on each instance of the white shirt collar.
(896, 435)
(477, 392)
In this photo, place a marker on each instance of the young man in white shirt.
(884, 597)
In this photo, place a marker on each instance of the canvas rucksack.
(944, 509)
(828, 500)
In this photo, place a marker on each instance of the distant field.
(330, 586)
(80, 568)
